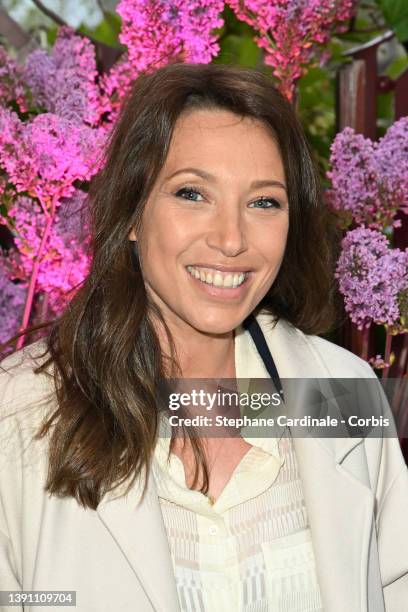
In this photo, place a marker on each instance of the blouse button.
(213, 530)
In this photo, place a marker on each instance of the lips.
(222, 267)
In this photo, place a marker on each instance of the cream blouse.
(250, 551)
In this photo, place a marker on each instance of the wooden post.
(351, 107)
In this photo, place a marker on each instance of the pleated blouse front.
(250, 551)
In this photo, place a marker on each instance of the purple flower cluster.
(373, 279)
(392, 163)
(64, 81)
(369, 180)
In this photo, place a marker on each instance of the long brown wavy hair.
(104, 351)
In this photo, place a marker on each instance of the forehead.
(222, 137)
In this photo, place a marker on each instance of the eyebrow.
(210, 177)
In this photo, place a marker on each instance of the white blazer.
(117, 558)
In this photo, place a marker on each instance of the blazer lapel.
(339, 506)
(138, 528)
(340, 511)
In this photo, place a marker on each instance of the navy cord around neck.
(252, 325)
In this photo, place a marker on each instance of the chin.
(215, 325)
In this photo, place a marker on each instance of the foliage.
(57, 108)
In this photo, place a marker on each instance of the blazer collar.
(297, 362)
(339, 506)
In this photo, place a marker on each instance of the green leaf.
(114, 20)
(240, 50)
(385, 112)
(236, 42)
(316, 111)
(233, 25)
(52, 35)
(396, 15)
(105, 32)
(397, 67)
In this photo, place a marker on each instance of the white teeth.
(228, 280)
(217, 278)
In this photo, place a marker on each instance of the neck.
(200, 355)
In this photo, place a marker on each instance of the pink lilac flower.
(28, 222)
(46, 155)
(66, 261)
(158, 33)
(292, 32)
(372, 278)
(155, 32)
(115, 85)
(379, 363)
(69, 261)
(64, 81)
(369, 180)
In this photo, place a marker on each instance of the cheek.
(272, 244)
(156, 237)
(161, 244)
(170, 230)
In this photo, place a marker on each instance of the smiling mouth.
(216, 278)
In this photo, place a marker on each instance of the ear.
(132, 235)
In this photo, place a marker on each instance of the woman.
(211, 259)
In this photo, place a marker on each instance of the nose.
(227, 231)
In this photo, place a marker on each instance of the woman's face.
(215, 226)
